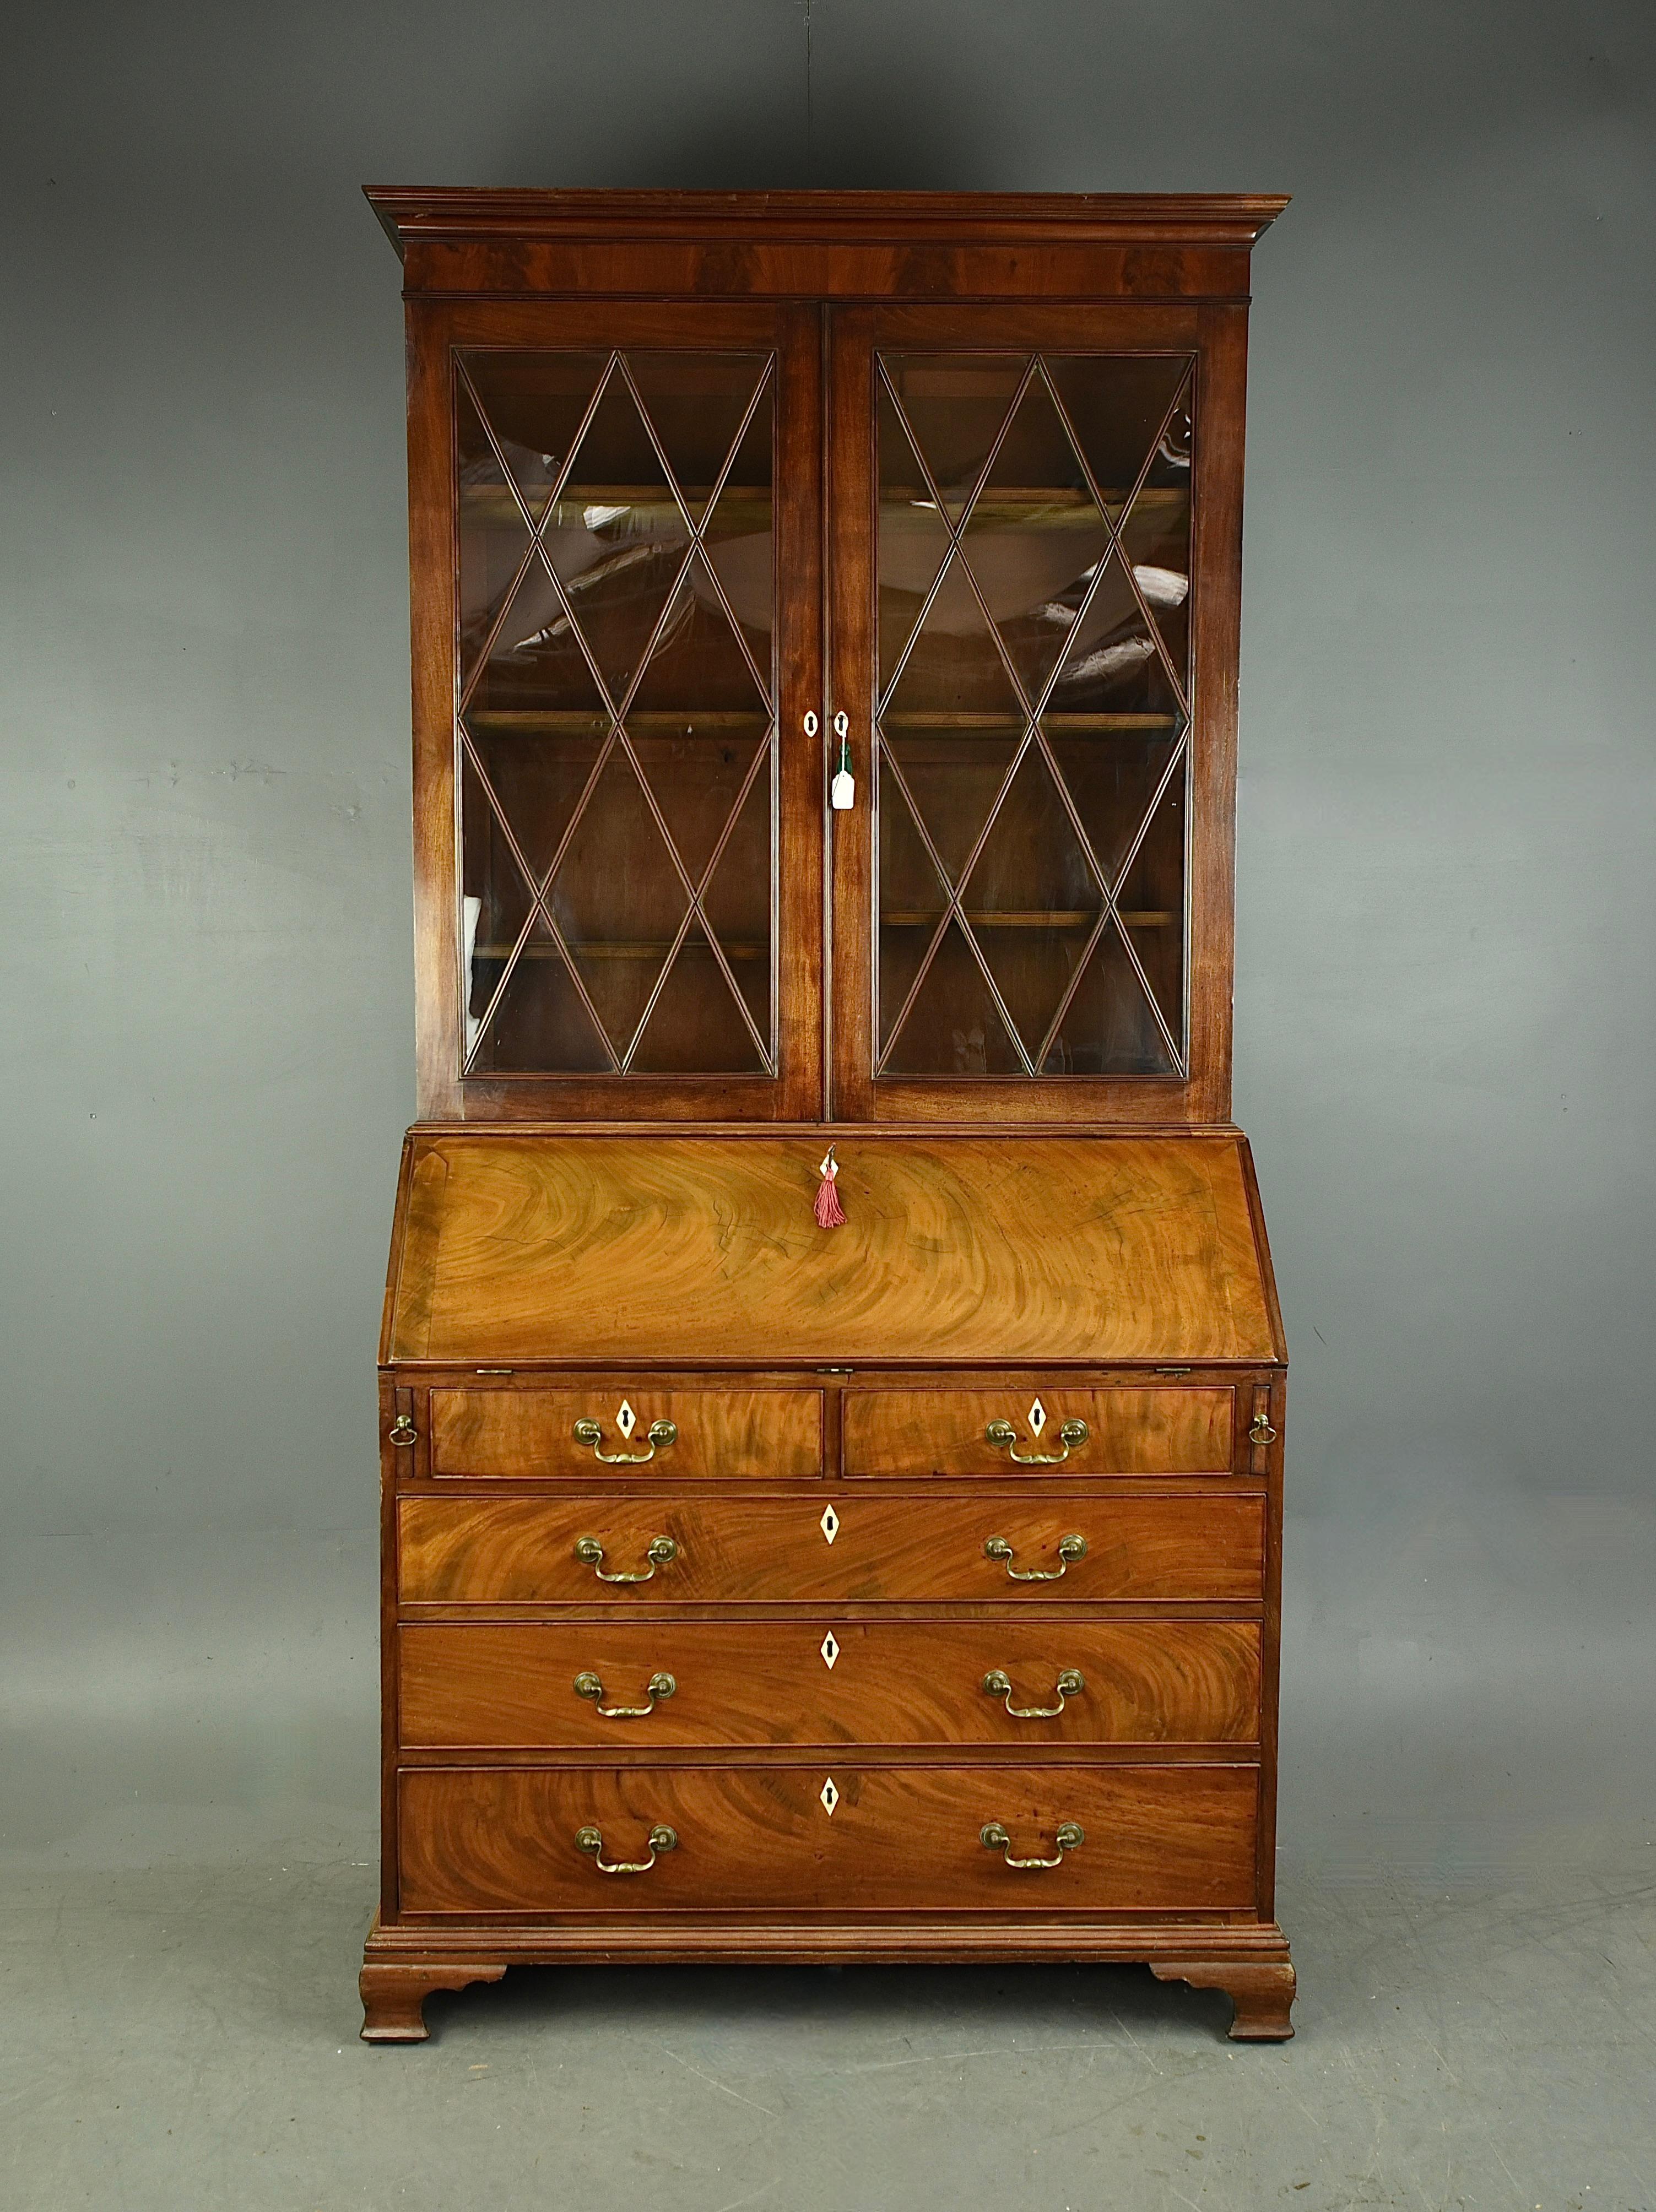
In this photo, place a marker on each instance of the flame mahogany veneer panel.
(517, 1433)
(514, 1551)
(502, 1840)
(897, 1682)
(1151, 1431)
(969, 1249)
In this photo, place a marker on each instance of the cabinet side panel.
(432, 557)
(1216, 614)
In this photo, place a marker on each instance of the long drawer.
(631, 1430)
(677, 1549)
(546, 1685)
(1164, 1429)
(821, 1838)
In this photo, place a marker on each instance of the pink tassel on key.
(829, 1213)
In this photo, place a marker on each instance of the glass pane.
(697, 659)
(737, 536)
(1112, 778)
(1156, 539)
(1152, 905)
(1108, 1028)
(951, 781)
(533, 404)
(533, 665)
(616, 539)
(955, 673)
(736, 903)
(536, 777)
(956, 405)
(1033, 543)
(914, 539)
(1112, 663)
(516, 417)
(1121, 409)
(954, 1027)
(1032, 900)
(696, 404)
(644, 590)
(618, 900)
(496, 903)
(696, 1026)
(538, 1020)
(1035, 540)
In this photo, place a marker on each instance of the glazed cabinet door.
(616, 614)
(1035, 541)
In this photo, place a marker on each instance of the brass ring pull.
(661, 1839)
(587, 1685)
(1261, 1432)
(1069, 1837)
(1004, 1437)
(661, 1434)
(590, 1552)
(1070, 1549)
(1070, 1683)
(402, 1430)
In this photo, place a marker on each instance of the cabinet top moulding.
(478, 238)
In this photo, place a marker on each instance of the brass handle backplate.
(660, 1435)
(590, 1552)
(587, 1685)
(1070, 1683)
(1261, 1432)
(661, 1839)
(402, 1430)
(1069, 1837)
(1004, 1437)
(1070, 1548)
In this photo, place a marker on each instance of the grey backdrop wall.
(1445, 1054)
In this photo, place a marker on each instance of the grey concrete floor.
(184, 2037)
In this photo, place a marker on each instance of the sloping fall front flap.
(606, 1248)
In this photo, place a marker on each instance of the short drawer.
(639, 1431)
(1059, 1427)
(536, 1685)
(821, 1838)
(675, 1548)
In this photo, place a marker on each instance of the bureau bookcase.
(831, 1382)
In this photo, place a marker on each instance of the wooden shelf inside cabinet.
(1058, 725)
(1073, 918)
(1033, 503)
(657, 948)
(736, 503)
(653, 721)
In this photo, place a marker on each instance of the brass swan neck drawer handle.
(658, 1435)
(1004, 1437)
(590, 1552)
(1070, 1549)
(1070, 1683)
(661, 1839)
(587, 1685)
(1069, 1837)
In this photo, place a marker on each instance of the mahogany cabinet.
(831, 1379)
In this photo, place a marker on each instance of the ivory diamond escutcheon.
(828, 1523)
(830, 1796)
(830, 1650)
(1037, 1417)
(626, 1419)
